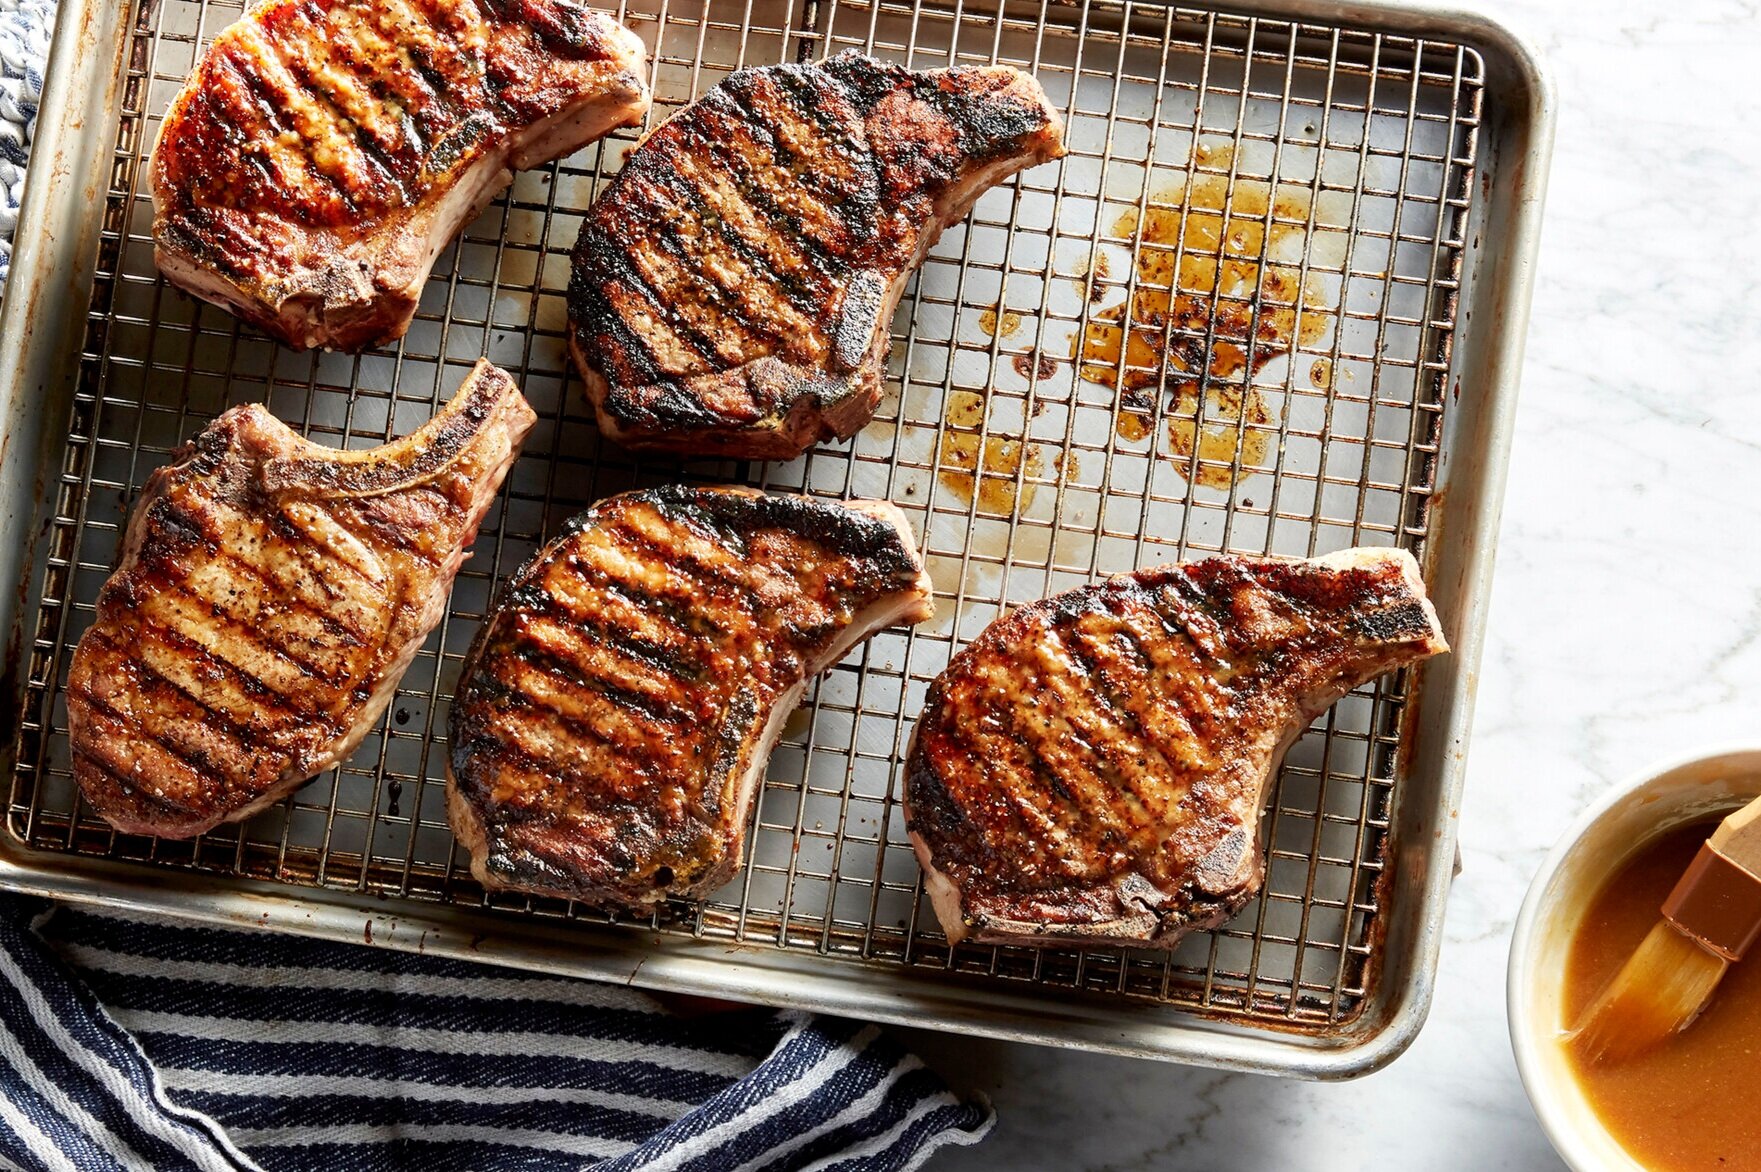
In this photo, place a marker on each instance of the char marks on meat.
(323, 152)
(734, 286)
(616, 712)
(1093, 767)
(269, 595)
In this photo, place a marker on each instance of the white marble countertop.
(1625, 620)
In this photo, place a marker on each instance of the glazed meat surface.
(1093, 767)
(323, 152)
(270, 594)
(618, 708)
(734, 286)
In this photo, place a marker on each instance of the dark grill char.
(301, 172)
(615, 712)
(1093, 767)
(733, 287)
(270, 593)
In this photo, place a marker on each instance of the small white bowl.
(1604, 838)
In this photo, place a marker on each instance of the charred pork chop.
(323, 152)
(616, 712)
(734, 286)
(270, 594)
(1092, 768)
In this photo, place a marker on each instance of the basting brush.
(1709, 920)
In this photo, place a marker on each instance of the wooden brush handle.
(1738, 838)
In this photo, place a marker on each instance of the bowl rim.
(1524, 1044)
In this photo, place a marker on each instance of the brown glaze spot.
(989, 467)
(1239, 286)
(1035, 367)
(999, 322)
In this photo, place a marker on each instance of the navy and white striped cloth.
(132, 1043)
(25, 26)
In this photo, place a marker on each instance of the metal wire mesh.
(1222, 323)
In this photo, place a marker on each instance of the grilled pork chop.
(734, 286)
(323, 152)
(1091, 769)
(269, 596)
(615, 713)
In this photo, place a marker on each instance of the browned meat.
(615, 714)
(1092, 768)
(734, 286)
(323, 152)
(269, 596)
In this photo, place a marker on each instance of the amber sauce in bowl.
(1693, 1104)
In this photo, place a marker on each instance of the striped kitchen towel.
(133, 1043)
(24, 44)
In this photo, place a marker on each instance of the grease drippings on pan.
(989, 465)
(1208, 266)
(999, 322)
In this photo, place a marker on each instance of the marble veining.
(1625, 620)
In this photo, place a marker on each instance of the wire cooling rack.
(1224, 322)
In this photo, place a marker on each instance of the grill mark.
(741, 283)
(198, 761)
(200, 611)
(250, 691)
(806, 140)
(379, 168)
(226, 564)
(755, 237)
(155, 564)
(1140, 702)
(696, 304)
(348, 89)
(736, 594)
(232, 84)
(162, 613)
(648, 669)
(618, 562)
(654, 628)
(1171, 726)
(756, 195)
(296, 173)
(1084, 813)
(1048, 781)
(397, 535)
(1115, 749)
(153, 682)
(315, 526)
(276, 86)
(130, 791)
(995, 748)
(556, 747)
(761, 188)
(646, 316)
(451, 52)
(548, 679)
(548, 643)
(395, 68)
(833, 168)
(629, 357)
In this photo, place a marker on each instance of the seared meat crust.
(270, 594)
(616, 712)
(734, 285)
(324, 151)
(1093, 767)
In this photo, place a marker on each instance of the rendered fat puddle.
(1218, 290)
(1209, 266)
